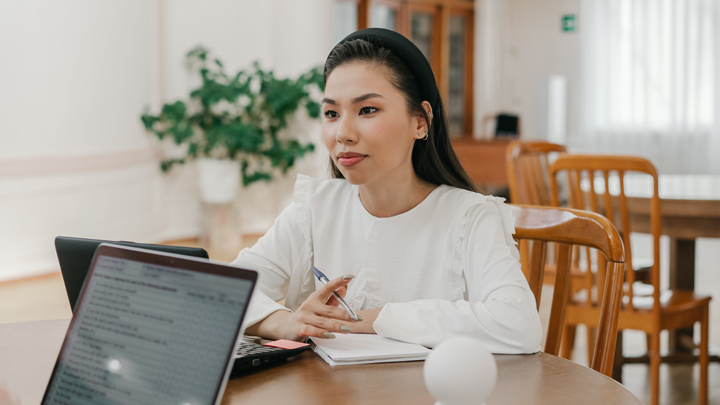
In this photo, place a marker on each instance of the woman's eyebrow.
(356, 100)
(365, 97)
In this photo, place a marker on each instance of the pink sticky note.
(286, 344)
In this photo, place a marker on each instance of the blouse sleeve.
(274, 256)
(500, 309)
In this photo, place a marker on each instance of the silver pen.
(323, 279)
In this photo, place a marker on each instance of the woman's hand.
(319, 316)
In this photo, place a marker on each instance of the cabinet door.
(385, 14)
(422, 30)
(345, 19)
(459, 79)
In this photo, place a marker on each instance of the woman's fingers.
(311, 331)
(320, 316)
(318, 326)
(333, 301)
(334, 312)
(326, 291)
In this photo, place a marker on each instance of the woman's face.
(366, 126)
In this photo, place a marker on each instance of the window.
(649, 66)
(650, 82)
(442, 29)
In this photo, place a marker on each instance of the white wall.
(521, 44)
(73, 75)
(74, 79)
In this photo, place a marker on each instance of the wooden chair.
(526, 164)
(566, 228)
(650, 313)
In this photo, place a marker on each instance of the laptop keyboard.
(247, 349)
(251, 355)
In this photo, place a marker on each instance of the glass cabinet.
(442, 29)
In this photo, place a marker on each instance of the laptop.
(76, 254)
(151, 327)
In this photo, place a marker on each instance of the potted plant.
(233, 124)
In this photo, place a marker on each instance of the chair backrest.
(567, 228)
(597, 183)
(526, 165)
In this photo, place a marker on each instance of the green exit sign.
(568, 23)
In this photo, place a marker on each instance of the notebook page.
(360, 347)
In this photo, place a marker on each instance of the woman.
(432, 257)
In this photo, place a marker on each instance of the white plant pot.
(219, 180)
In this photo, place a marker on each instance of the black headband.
(404, 49)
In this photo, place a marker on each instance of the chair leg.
(704, 356)
(655, 367)
(591, 339)
(567, 342)
(619, 358)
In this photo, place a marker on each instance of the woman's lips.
(350, 160)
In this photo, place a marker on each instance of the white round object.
(460, 371)
(219, 180)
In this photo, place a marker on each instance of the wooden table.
(28, 352)
(689, 208)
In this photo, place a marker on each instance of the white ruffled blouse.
(449, 266)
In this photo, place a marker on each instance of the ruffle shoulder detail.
(302, 196)
(507, 220)
(470, 200)
(306, 190)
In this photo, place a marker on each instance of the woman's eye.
(367, 110)
(330, 114)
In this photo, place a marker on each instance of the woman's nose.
(346, 132)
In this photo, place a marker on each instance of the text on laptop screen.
(149, 334)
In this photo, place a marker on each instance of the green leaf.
(167, 164)
(149, 121)
(198, 52)
(313, 108)
(239, 116)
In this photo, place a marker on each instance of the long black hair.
(434, 159)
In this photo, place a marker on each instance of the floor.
(43, 297)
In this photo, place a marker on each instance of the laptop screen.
(145, 332)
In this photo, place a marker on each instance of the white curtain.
(651, 82)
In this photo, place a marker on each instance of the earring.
(425, 137)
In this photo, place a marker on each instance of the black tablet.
(75, 255)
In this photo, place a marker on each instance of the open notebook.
(363, 348)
